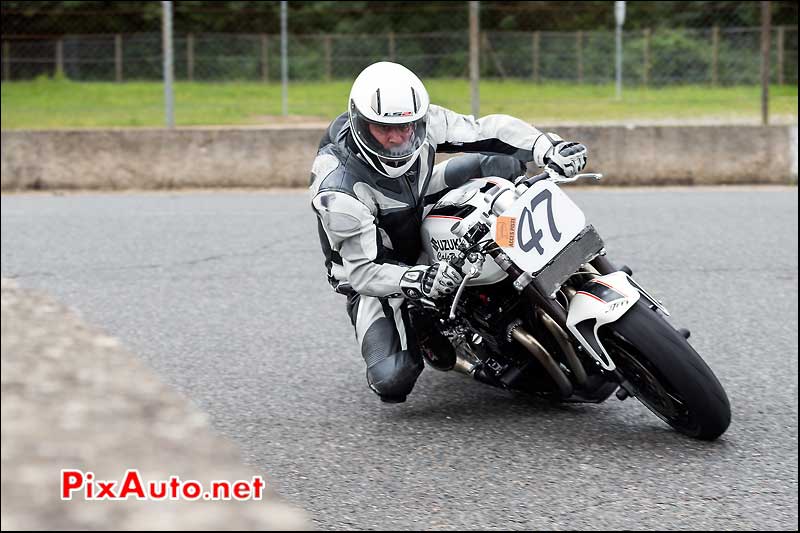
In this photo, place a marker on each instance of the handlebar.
(480, 229)
(555, 178)
(472, 236)
(530, 181)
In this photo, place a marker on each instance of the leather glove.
(434, 281)
(566, 158)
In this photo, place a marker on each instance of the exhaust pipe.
(466, 360)
(563, 341)
(464, 367)
(544, 357)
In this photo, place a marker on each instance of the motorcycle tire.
(668, 376)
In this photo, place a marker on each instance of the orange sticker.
(505, 230)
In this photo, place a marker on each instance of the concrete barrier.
(282, 156)
(73, 398)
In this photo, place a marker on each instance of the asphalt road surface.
(224, 295)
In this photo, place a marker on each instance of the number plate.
(541, 223)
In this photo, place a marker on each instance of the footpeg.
(626, 269)
(685, 333)
(623, 392)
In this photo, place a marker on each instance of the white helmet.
(388, 94)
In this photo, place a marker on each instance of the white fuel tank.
(440, 244)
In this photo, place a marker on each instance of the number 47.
(526, 225)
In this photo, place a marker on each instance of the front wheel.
(667, 374)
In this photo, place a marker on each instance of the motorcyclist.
(371, 180)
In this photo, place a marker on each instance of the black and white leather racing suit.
(369, 224)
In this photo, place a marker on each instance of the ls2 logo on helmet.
(398, 114)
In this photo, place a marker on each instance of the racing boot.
(434, 347)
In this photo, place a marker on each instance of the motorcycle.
(548, 314)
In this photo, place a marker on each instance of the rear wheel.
(667, 374)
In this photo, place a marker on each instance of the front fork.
(522, 282)
(552, 308)
(603, 265)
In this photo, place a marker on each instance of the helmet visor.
(392, 143)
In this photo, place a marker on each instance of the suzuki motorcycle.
(541, 309)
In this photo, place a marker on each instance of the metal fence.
(228, 62)
(657, 57)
